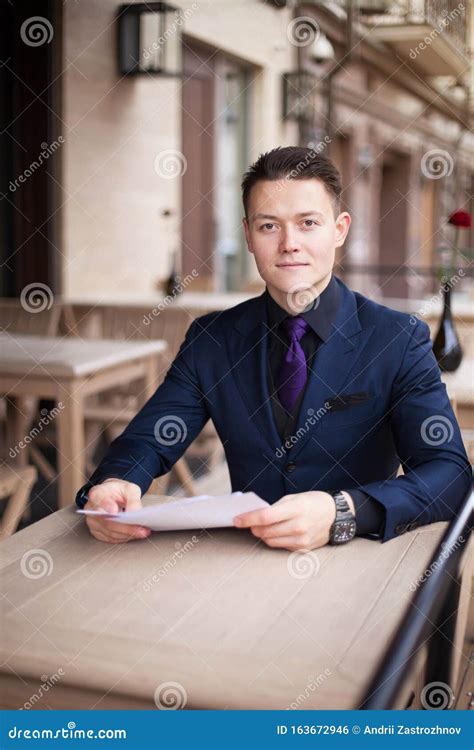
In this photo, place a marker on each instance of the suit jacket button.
(290, 467)
(401, 528)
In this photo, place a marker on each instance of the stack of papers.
(200, 512)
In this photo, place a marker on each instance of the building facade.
(147, 175)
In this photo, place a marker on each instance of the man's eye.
(310, 222)
(267, 226)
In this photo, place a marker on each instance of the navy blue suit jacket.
(374, 401)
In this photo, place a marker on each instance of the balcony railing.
(446, 15)
(401, 22)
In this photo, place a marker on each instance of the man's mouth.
(291, 265)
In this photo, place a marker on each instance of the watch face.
(344, 531)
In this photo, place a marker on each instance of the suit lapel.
(336, 358)
(334, 364)
(248, 352)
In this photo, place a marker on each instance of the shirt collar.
(319, 318)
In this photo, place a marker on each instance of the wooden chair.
(112, 412)
(16, 484)
(16, 318)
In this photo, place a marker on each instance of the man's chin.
(292, 281)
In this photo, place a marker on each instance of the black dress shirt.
(370, 514)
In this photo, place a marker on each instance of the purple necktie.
(292, 374)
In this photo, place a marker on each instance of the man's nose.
(289, 242)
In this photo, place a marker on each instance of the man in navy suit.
(317, 393)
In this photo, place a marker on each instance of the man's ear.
(245, 225)
(343, 223)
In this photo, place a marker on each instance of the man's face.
(293, 234)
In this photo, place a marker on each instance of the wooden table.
(69, 370)
(217, 616)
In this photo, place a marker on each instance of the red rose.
(461, 219)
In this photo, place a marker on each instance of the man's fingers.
(290, 543)
(119, 530)
(113, 495)
(284, 528)
(123, 529)
(136, 532)
(265, 516)
(133, 502)
(107, 539)
(105, 503)
(110, 535)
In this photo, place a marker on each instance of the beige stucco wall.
(115, 239)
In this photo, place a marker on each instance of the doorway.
(393, 225)
(215, 110)
(30, 145)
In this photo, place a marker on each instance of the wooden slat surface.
(69, 357)
(237, 624)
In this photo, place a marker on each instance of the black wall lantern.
(298, 88)
(149, 39)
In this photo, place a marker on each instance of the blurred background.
(125, 132)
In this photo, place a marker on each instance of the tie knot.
(295, 327)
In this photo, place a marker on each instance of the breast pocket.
(350, 409)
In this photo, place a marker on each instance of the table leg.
(71, 444)
(18, 416)
(18, 419)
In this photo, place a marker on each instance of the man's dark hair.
(293, 163)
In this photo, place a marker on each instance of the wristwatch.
(81, 496)
(344, 526)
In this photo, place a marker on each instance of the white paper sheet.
(200, 512)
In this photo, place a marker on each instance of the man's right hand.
(114, 495)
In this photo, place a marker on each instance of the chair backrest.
(17, 319)
(169, 324)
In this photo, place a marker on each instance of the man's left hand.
(295, 522)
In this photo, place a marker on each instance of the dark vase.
(446, 346)
(173, 282)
